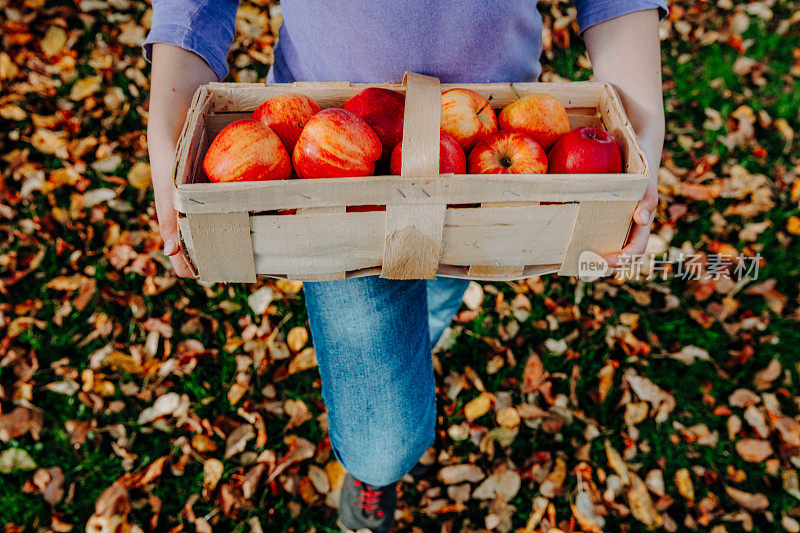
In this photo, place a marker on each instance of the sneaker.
(366, 509)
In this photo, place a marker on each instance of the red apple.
(451, 157)
(585, 151)
(467, 116)
(246, 150)
(540, 116)
(383, 110)
(507, 152)
(286, 115)
(336, 143)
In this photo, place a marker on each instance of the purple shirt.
(378, 40)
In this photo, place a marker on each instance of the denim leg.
(444, 299)
(373, 349)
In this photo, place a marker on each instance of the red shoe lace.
(369, 498)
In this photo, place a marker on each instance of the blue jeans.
(373, 339)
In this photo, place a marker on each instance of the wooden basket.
(526, 224)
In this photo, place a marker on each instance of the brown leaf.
(454, 474)
(478, 406)
(683, 480)
(297, 338)
(635, 412)
(617, 463)
(67, 283)
(238, 439)
(303, 361)
(49, 481)
(743, 398)
(298, 412)
(661, 401)
(754, 450)
(18, 422)
(534, 374)
(112, 502)
(85, 87)
(765, 377)
(641, 504)
(606, 377)
(319, 478)
(300, 449)
(751, 502)
(757, 420)
(504, 484)
(202, 443)
(553, 484)
(585, 514)
(508, 417)
(150, 474)
(139, 176)
(655, 482)
(212, 473)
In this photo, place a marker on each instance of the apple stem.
(484, 105)
(513, 88)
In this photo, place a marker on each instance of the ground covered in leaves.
(132, 399)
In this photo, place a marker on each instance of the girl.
(373, 336)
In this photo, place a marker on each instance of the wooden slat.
(186, 244)
(189, 148)
(246, 97)
(485, 271)
(382, 190)
(617, 124)
(507, 236)
(304, 276)
(600, 227)
(222, 246)
(317, 244)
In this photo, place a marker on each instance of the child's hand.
(176, 74)
(167, 217)
(640, 232)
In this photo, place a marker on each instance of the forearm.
(176, 75)
(625, 51)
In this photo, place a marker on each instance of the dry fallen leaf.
(238, 439)
(85, 87)
(212, 473)
(683, 480)
(453, 474)
(753, 450)
(661, 401)
(139, 176)
(478, 406)
(534, 374)
(617, 463)
(503, 484)
(635, 412)
(751, 502)
(15, 459)
(473, 296)
(606, 377)
(18, 422)
(641, 504)
(259, 300)
(297, 338)
(303, 361)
